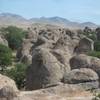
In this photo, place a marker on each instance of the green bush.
(97, 45)
(5, 57)
(91, 35)
(18, 74)
(94, 54)
(14, 36)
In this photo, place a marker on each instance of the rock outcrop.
(47, 37)
(45, 70)
(61, 92)
(58, 66)
(8, 88)
(5, 81)
(85, 45)
(24, 53)
(7, 93)
(84, 61)
(83, 76)
(51, 54)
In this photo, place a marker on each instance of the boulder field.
(59, 67)
(53, 51)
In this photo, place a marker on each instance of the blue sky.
(74, 10)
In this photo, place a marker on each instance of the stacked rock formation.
(56, 58)
(58, 65)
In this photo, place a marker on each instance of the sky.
(74, 10)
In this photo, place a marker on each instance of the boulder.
(80, 61)
(42, 42)
(5, 81)
(63, 42)
(49, 37)
(85, 45)
(7, 93)
(66, 42)
(80, 76)
(32, 34)
(60, 92)
(63, 57)
(84, 61)
(45, 70)
(83, 76)
(24, 53)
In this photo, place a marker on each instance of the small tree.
(14, 36)
(89, 33)
(5, 57)
(97, 45)
(18, 74)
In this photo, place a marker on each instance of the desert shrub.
(94, 54)
(5, 57)
(18, 74)
(91, 35)
(14, 36)
(97, 45)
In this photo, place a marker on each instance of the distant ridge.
(14, 19)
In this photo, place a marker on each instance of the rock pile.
(58, 66)
(53, 59)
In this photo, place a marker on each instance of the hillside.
(17, 20)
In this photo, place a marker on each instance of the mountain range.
(17, 20)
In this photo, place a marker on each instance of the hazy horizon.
(77, 10)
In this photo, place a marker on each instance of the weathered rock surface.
(5, 81)
(61, 92)
(84, 61)
(48, 37)
(85, 45)
(83, 76)
(45, 70)
(62, 56)
(51, 54)
(57, 66)
(7, 93)
(79, 61)
(8, 88)
(24, 52)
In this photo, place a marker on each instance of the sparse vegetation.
(14, 36)
(97, 45)
(90, 33)
(16, 70)
(5, 57)
(94, 54)
(18, 74)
